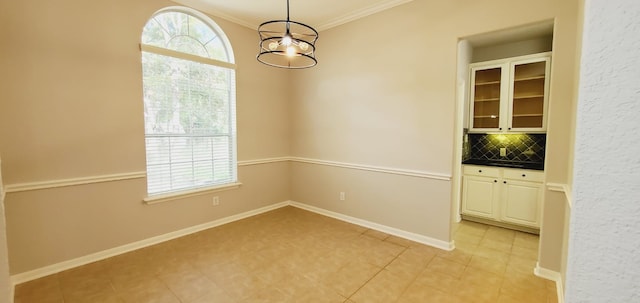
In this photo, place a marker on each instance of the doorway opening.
(488, 47)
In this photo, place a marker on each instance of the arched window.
(189, 103)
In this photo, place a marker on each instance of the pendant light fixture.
(287, 44)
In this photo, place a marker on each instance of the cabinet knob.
(479, 170)
(495, 181)
(524, 175)
(509, 128)
(505, 182)
(500, 128)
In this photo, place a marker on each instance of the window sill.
(189, 193)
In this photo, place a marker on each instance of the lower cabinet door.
(521, 202)
(480, 196)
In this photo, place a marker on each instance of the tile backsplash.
(519, 147)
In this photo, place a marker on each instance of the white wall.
(5, 284)
(604, 247)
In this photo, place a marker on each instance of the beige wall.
(568, 207)
(560, 138)
(50, 226)
(71, 107)
(383, 94)
(402, 203)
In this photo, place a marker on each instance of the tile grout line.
(414, 278)
(377, 273)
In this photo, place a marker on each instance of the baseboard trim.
(553, 276)
(65, 265)
(449, 246)
(521, 228)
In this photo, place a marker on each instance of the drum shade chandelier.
(287, 44)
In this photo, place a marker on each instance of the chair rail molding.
(563, 188)
(379, 169)
(48, 184)
(20, 187)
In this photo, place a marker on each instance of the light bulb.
(286, 40)
(303, 46)
(291, 51)
(273, 46)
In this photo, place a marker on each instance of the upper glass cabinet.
(510, 95)
(528, 95)
(487, 97)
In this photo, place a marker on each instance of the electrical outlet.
(216, 201)
(342, 196)
(503, 151)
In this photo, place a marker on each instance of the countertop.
(505, 163)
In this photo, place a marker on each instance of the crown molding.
(212, 10)
(209, 9)
(360, 13)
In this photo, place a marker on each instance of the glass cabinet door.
(528, 95)
(486, 98)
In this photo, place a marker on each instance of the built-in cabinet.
(507, 195)
(510, 95)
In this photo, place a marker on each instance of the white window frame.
(168, 195)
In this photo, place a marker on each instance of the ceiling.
(321, 15)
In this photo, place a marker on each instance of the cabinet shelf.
(487, 117)
(527, 97)
(529, 78)
(486, 100)
(527, 115)
(487, 83)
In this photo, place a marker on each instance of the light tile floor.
(291, 255)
